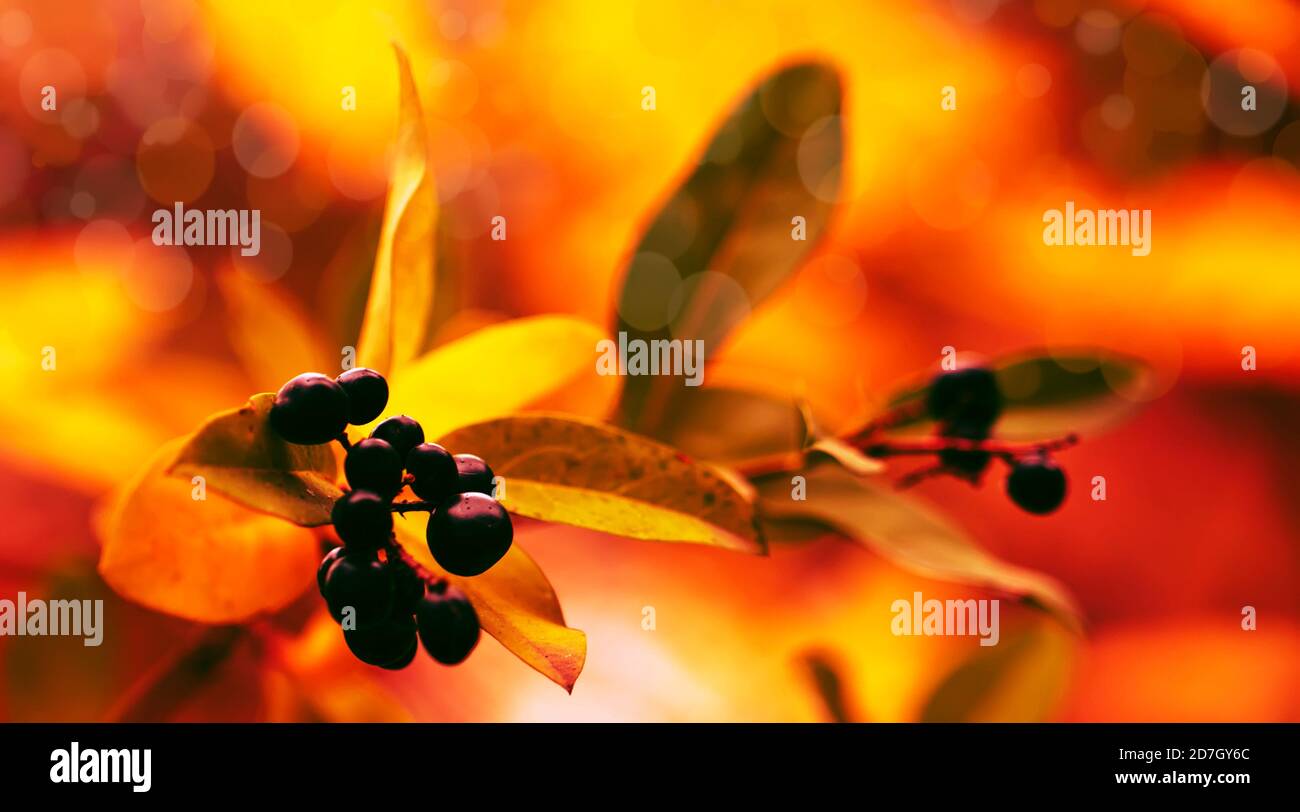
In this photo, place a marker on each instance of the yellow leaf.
(515, 604)
(907, 533)
(1022, 679)
(240, 456)
(402, 285)
(598, 477)
(271, 336)
(539, 363)
(208, 560)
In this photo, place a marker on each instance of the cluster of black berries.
(386, 602)
(966, 403)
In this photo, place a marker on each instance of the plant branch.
(936, 445)
(408, 507)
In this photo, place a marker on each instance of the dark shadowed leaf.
(240, 457)
(906, 532)
(725, 240)
(1049, 395)
(595, 476)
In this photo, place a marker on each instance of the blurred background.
(535, 113)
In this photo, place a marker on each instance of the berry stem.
(395, 550)
(936, 445)
(407, 507)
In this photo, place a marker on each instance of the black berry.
(359, 582)
(362, 519)
(402, 433)
(473, 475)
(969, 397)
(434, 470)
(367, 393)
(408, 586)
(468, 533)
(412, 646)
(324, 568)
(385, 644)
(448, 624)
(1036, 484)
(373, 465)
(309, 410)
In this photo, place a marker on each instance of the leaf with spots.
(595, 476)
(240, 456)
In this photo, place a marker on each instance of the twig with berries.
(966, 404)
(386, 602)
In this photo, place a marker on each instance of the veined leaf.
(270, 334)
(725, 240)
(402, 285)
(209, 560)
(907, 533)
(1019, 680)
(239, 455)
(539, 363)
(598, 477)
(515, 604)
(1048, 395)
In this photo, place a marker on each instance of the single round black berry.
(362, 519)
(969, 464)
(1037, 484)
(367, 394)
(324, 568)
(969, 397)
(412, 646)
(449, 627)
(468, 533)
(385, 644)
(435, 472)
(402, 433)
(309, 410)
(473, 475)
(373, 465)
(359, 587)
(408, 586)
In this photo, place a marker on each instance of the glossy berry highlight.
(468, 533)
(311, 409)
(373, 465)
(362, 519)
(367, 393)
(448, 625)
(360, 587)
(434, 470)
(402, 433)
(473, 475)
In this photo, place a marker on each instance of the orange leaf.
(209, 559)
